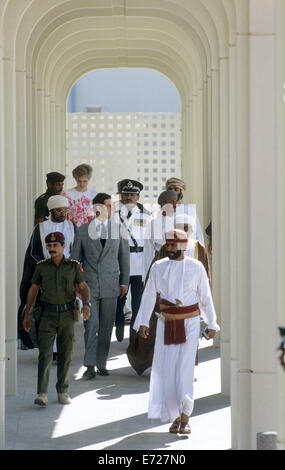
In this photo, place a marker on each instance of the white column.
(2, 263)
(30, 129)
(280, 96)
(233, 242)
(263, 218)
(41, 136)
(53, 124)
(256, 226)
(187, 155)
(241, 406)
(224, 227)
(22, 180)
(10, 225)
(216, 236)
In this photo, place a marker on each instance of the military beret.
(128, 186)
(54, 177)
(54, 237)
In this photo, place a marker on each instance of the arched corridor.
(226, 58)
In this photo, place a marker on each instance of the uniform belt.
(59, 307)
(136, 249)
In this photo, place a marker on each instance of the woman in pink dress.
(80, 198)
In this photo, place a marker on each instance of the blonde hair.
(82, 170)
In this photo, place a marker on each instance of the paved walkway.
(111, 412)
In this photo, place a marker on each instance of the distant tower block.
(93, 109)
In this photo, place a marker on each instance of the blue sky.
(125, 90)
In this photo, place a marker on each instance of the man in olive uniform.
(57, 278)
(55, 182)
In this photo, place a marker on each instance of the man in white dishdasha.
(184, 291)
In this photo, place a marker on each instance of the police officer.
(55, 182)
(134, 217)
(57, 278)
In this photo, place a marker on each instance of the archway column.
(30, 153)
(22, 180)
(224, 242)
(233, 242)
(10, 165)
(256, 225)
(216, 237)
(3, 264)
(280, 97)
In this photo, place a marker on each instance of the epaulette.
(43, 261)
(74, 260)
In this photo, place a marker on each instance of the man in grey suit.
(105, 255)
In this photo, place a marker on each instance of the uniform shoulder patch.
(73, 260)
(42, 261)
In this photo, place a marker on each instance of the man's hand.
(144, 331)
(282, 359)
(123, 291)
(85, 312)
(210, 334)
(27, 322)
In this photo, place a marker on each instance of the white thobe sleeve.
(206, 305)
(148, 251)
(148, 301)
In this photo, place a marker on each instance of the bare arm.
(85, 298)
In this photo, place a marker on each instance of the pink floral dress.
(80, 205)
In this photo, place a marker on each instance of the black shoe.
(120, 332)
(102, 372)
(89, 373)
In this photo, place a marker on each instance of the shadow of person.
(147, 441)
(118, 387)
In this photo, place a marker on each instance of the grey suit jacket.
(105, 268)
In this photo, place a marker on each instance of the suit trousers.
(61, 326)
(98, 331)
(136, 286)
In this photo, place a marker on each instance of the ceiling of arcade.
(56, 41)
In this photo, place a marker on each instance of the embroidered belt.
(174, 329)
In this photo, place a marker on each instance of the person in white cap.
(185, 293)
(37, 251)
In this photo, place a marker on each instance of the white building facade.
(142, 146)
(226, 58)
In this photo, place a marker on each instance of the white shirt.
(65, 227)
(154, 238)
(184, 280)
(96, 227)
(136, 225)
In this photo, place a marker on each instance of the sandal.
(184, 428)
(174, 428)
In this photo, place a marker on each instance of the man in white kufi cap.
(185, 294)
(37, 250)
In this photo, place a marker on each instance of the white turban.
(186, 219)
(54, 202)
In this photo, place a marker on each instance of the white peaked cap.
(54, 202)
